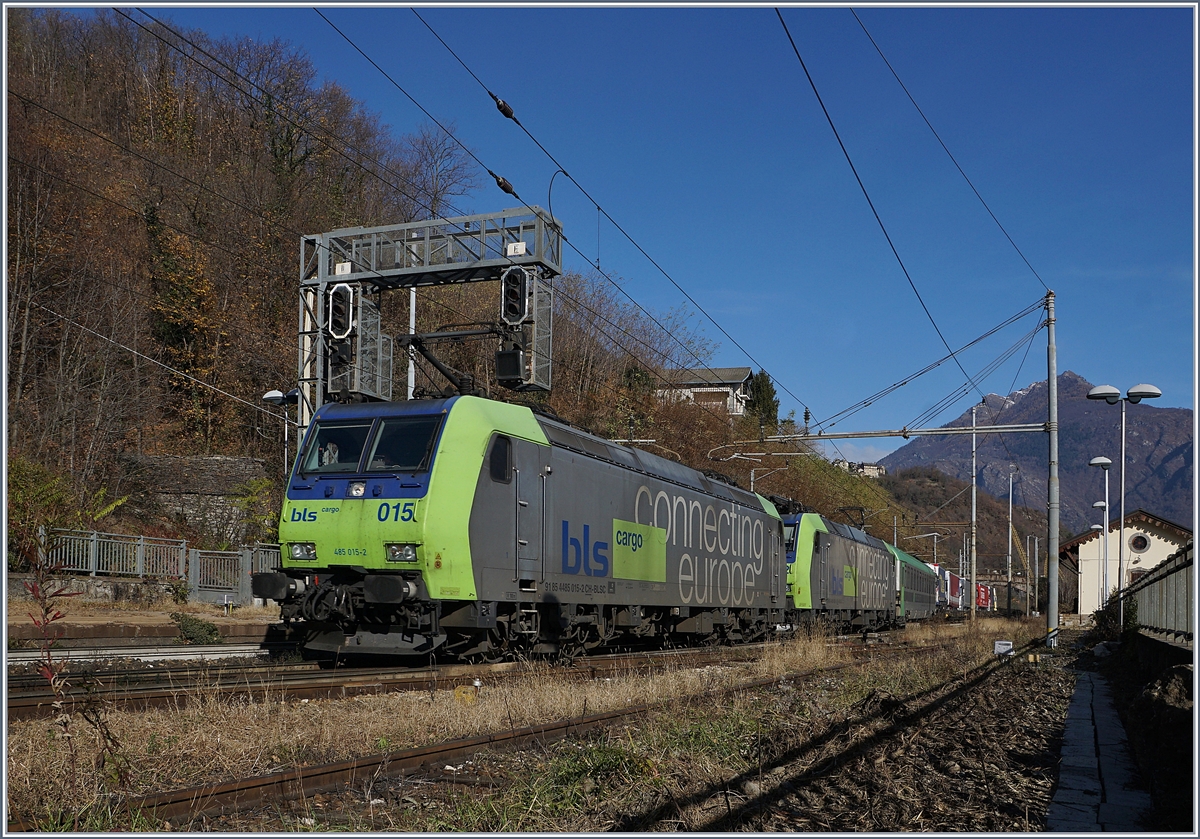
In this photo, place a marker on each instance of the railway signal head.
(514, 295)
(340, 320)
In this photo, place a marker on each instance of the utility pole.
(974, 472)
(1052, 509)
(962, 555)
(1010, 532)
(1035, 569)
(412, 330)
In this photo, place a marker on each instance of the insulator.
(503, 184)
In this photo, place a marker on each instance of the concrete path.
(1098, 788)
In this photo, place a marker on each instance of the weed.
(194, 630)
(179, 589)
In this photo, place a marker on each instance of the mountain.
(1158, 452)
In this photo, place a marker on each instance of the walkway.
(1097, 778)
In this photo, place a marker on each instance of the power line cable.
(314, 129)
(947, 150)
(858, 406)
(508, 112)
(168, 367)
(870, 203)
(450, 309)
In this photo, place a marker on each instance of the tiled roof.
(709, 376)
(1139, 515)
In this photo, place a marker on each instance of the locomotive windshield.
(336, 447)
(789, 536)
(404, 444)
(399, 444)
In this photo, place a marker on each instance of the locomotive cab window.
(500, 460)
(404, 444)
(789, 536)
(336, 447)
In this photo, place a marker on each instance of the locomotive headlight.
(397, 552)
(303, 551)
(357, 489)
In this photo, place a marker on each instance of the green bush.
(40, 500)
(1106, 622)
(194, 630)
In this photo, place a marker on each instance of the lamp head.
(1139, 392)
(1100, 505)
(275, 397)
(1097, 527)
(1106, 392)
(1102, 462)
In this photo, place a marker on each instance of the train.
(478, 530)
(954, 600)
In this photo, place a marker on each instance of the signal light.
(510, 368)
(341, 311)
(340, 354)
(514, 295)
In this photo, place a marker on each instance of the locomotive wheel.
(495, 648)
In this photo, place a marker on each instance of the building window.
(1138, 543)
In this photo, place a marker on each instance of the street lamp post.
(276, 397)
(1033, 554)
(1112, 396)
(1104, 463)
(1103, 507)
(1012, 468)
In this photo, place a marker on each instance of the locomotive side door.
(530, 477)
(820, 554)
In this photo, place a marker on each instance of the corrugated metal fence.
(212, 576)
(1165, 597)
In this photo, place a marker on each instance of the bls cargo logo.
(583, 554)
(638, 552)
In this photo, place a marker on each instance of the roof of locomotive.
(643, 461)
(363, 410)
(563, 435)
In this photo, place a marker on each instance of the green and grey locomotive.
(846, 577)
(479, 528)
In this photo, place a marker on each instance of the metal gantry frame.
(373, 260)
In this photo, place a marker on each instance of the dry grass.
(207, 741)
(116, 610)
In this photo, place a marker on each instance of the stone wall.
(201, 492)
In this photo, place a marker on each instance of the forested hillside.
(936, 497)
(159, 182)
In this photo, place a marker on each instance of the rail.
(212, 576)
(1165, 598)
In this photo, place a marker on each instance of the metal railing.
(212, 576)
(1165, 597)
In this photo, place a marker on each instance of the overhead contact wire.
(871, 203)
(507, 111)
(947, 150)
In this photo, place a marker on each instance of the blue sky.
(698, 132)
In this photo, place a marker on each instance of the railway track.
(301, 781)
(167, 652)
(140, 689)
